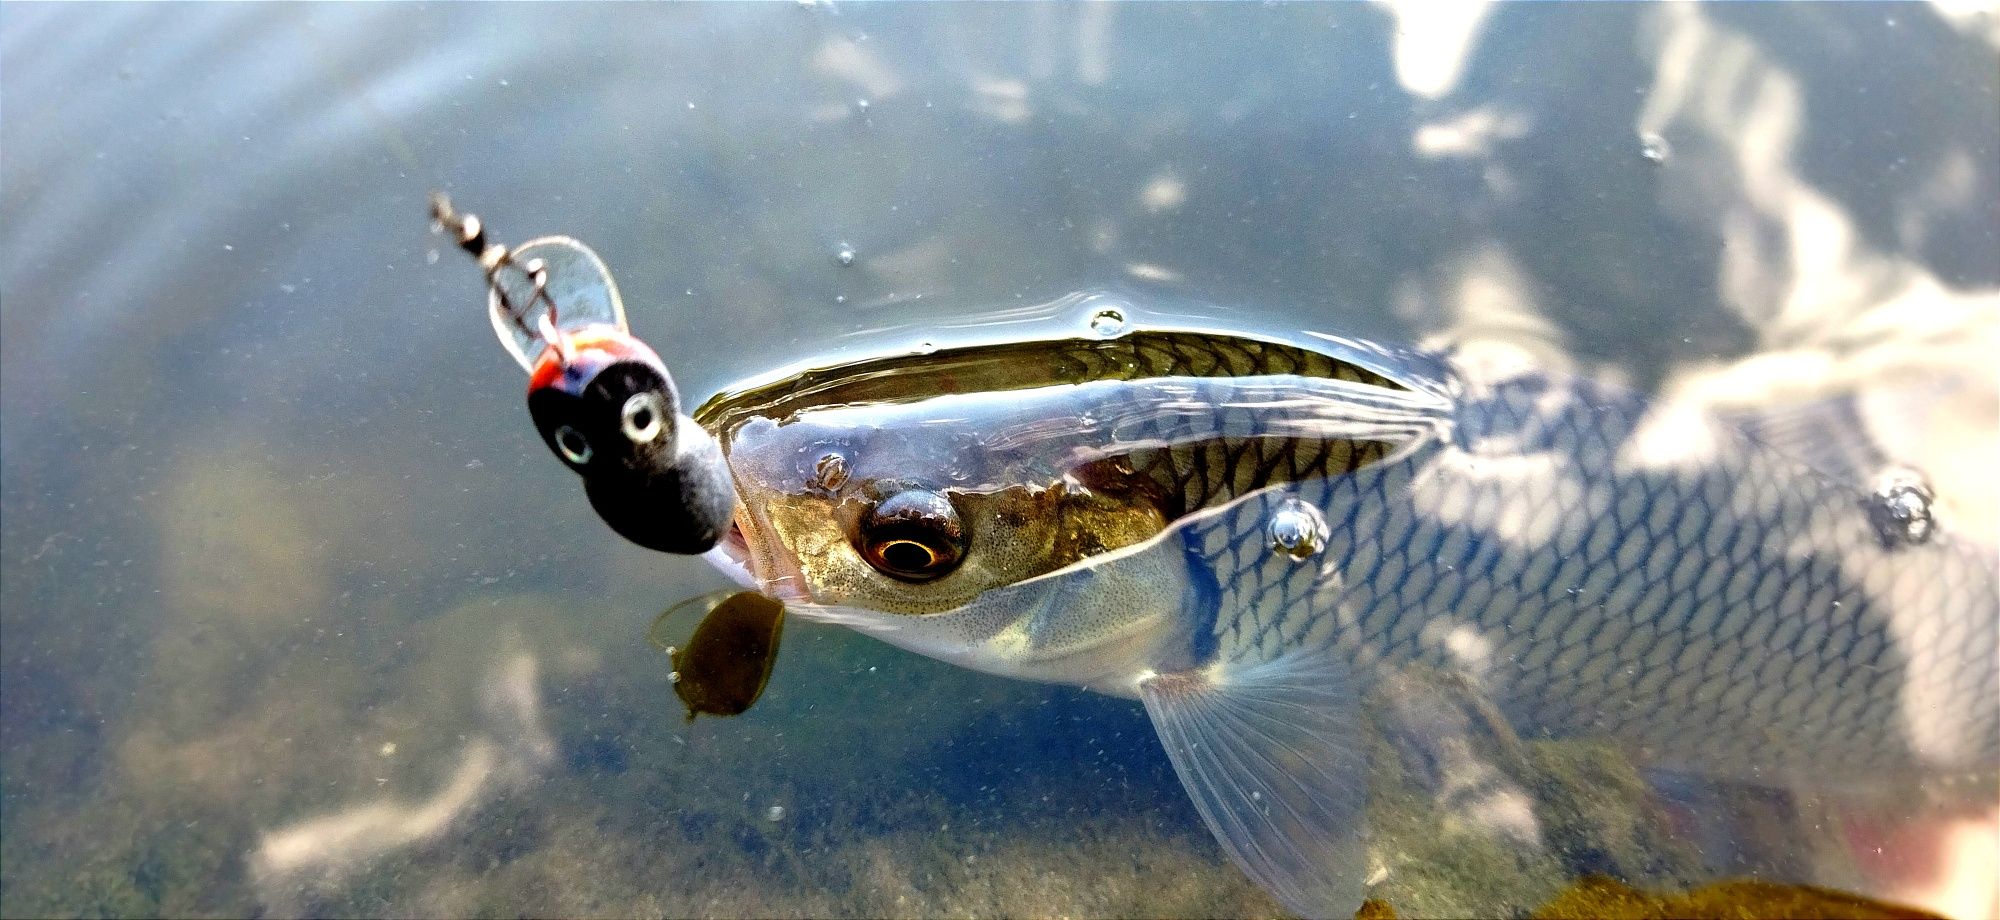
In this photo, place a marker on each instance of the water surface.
(299, 616)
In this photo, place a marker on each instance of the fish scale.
(1772, 663)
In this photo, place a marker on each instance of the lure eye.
(573, 446)
(913, 535)
(641, 419)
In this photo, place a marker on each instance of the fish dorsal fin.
(1272, 754)
(1827, 434)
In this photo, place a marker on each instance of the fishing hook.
(494, 258)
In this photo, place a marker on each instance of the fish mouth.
(770, 571)
(731, 556)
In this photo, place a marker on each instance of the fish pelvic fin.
(1272, 754)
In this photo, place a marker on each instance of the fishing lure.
(601, 399)
(606, 406)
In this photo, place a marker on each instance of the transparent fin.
(1272, 754)
(1827, 434)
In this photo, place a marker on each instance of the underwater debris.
(1597, 897)
(1738, 899)
(724, 666)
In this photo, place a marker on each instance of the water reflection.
(1449, 738)
(1835, 316)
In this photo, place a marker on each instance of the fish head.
(910, 523)
(1013, 507)
(911, 510)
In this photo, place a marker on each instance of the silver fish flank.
(1137, 515)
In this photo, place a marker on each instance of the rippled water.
(300, 618)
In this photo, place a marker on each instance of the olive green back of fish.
(1024, 365)
(1175, 481)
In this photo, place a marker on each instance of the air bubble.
(673, 677)
(1107, 323)
(1654, 148)
(1900, 508)
(775, 813)
(1298, 530)
(844, 256)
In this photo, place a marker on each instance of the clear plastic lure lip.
(538, 293)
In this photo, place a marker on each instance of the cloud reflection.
(1833, 315)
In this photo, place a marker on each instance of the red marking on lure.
(591, 349)
(547, 368)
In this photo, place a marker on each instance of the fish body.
(1737, 615)
(1251, 536)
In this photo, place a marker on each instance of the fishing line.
(519, 278)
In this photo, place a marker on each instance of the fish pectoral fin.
(1273, 755)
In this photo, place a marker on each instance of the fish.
(1251, 533)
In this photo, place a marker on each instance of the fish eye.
(913, 535)
(641, 419)
(573, 446)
